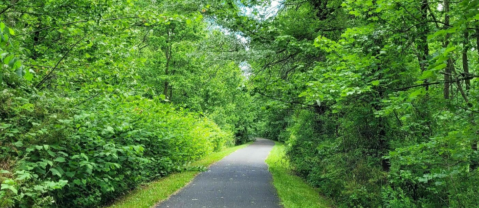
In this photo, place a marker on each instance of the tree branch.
(3, 11)
(57, 64)
(467, 77)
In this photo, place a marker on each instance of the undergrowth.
(293, 191)
(85, 158)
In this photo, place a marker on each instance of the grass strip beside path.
(293, 191)
(150, 194)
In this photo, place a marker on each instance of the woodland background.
(376, 100)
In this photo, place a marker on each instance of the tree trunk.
(167, 51)
(465, 61)
(423, 46)
(474, 163)
(448, 71)
(423, 31)
(477, 37)
(167, 67)
(165, 90)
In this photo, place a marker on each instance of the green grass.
(293, 191)
(152, 193)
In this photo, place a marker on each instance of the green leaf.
(70, 174)
(89, 168)
(84, 156)
(8, 59)
(28, 75)
(48, 162)
(3, 55)
(77, 182)
(59, 159)
(416, 93)
(17, 64)
(449, 49)
(423, 180)
(11, 31)
(375, 83)
(13, 189)
(426, 74)
(18, 144)
(4, 125)
(10, 185)
(55, 172)
(11, 63)
(19, 72)
(440, 66)
(51, 153)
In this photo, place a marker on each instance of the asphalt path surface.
(240, 180)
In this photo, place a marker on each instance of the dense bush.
(340, 156)
(339, 167)
(84, 158)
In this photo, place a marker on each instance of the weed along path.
(239, 180)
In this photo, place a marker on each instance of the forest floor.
(241, 179)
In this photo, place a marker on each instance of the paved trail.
(240, 180)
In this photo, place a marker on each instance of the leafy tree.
(374, 98)
(101, 96)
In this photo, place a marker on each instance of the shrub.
(85, 158)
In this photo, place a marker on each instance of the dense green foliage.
(97, 97)
(377, 100)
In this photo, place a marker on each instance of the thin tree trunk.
(423, 46)
(459, 87)
(475, 163)
(477, 37)
(167, 67)
(465, 60)
(165, 90)
(447, 74)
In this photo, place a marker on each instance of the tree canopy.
(376, 100)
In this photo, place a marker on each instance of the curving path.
(240, 180)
